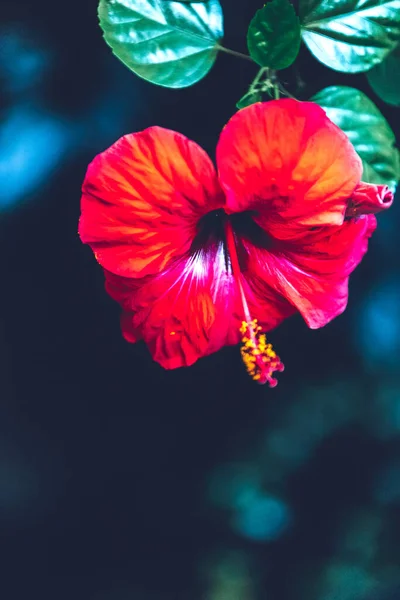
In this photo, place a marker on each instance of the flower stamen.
(259, 358)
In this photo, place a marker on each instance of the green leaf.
(367, 129)
(350, 35)
(385, 78)
(172, 44)
(250, 98)
(274, 35)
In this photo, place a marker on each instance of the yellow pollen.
(258, 356)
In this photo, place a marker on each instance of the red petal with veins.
(184, 313)
(142, 199)
(265, 303)
(290, 164)
(313, 277)
(190, 310)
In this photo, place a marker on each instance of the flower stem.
(257, 78)
(234, 53)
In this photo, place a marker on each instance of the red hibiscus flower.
(200, 259)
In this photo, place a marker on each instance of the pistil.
(259, 358)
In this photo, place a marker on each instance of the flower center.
(258, 356)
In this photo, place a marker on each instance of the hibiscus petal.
(368, 198)
(266, 303)
(289, 163)
(184, 313)
(130, 333)
(142, 199)
(314, 277)
(192, 309)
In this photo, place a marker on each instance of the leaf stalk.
(234, 53)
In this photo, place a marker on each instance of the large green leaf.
(172, 44)
(367, 129)
(385, 78)
(350, 35)
(274, 35)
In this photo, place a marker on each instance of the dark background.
(121, 481)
